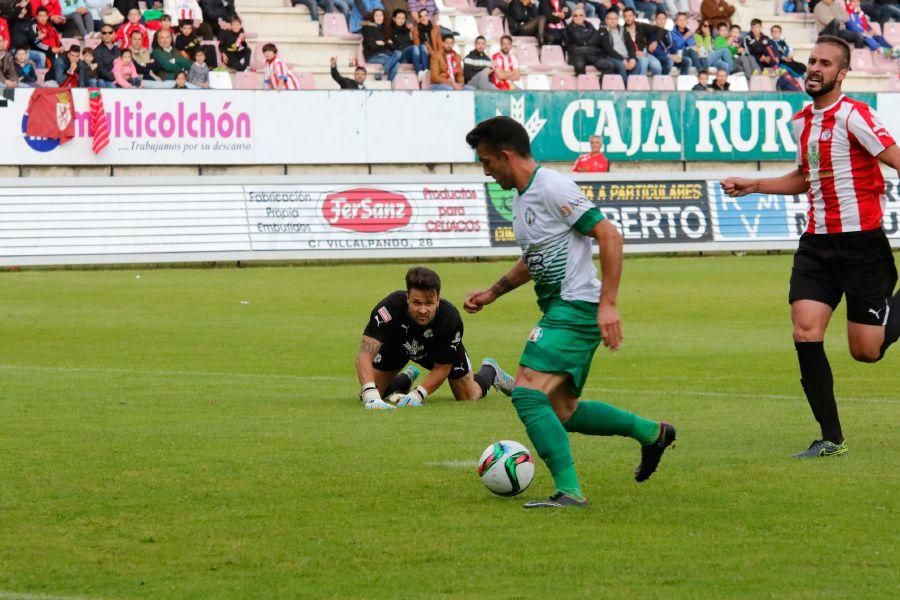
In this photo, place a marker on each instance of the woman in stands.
(377, 46)
(401, 41)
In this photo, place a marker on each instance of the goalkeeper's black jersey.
(437, 342)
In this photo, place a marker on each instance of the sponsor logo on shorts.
(536, 334)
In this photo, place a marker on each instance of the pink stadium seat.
(892, 33)
(246, 80)
(885, 64)
(613, 83)
(565, 83)
(638, 83)
(663, 83)
(552, 58)
(524, 40)
(762, 83)
(588, 83)
(491, 27)
(405, 81)
(66, 42)
(876, 28)
(694, 6)
(335, 25)
(307, 81)
(528, 57)
(861, 60)
(94, 42)
(693, 24)
(41, 75)
(464, 7)
(426, 81)
(894, 85)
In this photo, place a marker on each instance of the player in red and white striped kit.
(278, 75)
(845, 250)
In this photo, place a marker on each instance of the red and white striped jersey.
(503, 62)
(276, 69)
(836, 152)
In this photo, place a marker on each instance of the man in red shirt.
(594, 162)
(840, 142)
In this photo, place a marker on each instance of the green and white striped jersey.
(551, 218)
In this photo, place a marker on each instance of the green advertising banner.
(654, 126)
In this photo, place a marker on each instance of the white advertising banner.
(168, 127)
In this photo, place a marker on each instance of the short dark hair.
(398, 11)
(422, 278)
(500, 133)
(774, 27)
(662, 12)
(480, 37)
(836, 41)
(75, 48)
(447, 36)
(270, 47)
(236, 18)
(361, 68)
(126, 50)
(41, 9)
(628, 9)
(506, 37)
(755, 22)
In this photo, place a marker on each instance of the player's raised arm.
(790, 183)
(516, 277)
(608, 319)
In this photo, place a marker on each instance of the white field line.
(608, 390)
(4, 595)
(454, 464)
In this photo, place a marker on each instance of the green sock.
(598, 418)
(549, 438)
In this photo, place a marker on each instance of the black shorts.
(859, 264)
(393, 357)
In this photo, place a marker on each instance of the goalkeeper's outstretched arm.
(365, 370)
(516, 277)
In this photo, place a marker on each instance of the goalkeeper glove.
(414, 398)
(372, 398)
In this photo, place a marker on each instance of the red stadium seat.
(552, 58)
(464, 7)
(861, 60)
(405, 81)
(528, 57)
(524, 40)
(335, 25)
(613, 83)
(663, 83)
(588, 83)
(564, 83)
(246, 80)
(762, 83)
(491, 27)
(638, 83)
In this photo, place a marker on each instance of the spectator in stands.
(357, 83)
(49, 42)
(181, 82)
(26, 72)
(5, 37)
(105, 55)
(140, 56)
(590, 10)
(644, 36)
(54, 11)
(361, 10)
(741, 59)
(478, 67)
(376, 45)
(721, 82)
(95, 8)
(169, 61)
(217, 13)
(707, 55)
(759, 47)
(883, 11)
(583, 45)
(76, 74)
(426, 34)
(617, 46)
(859, 24)
(555, 13)
(524, 19)
(199, 73)
(400, 36)
(447, 67)
(506, 66)
(123, 35)
(682, 48)
(189, 10)
(785, 53)
(594, 161)
(23, 32)
(417, 6)
(9, 77)
(125, 6)
(716, 12)
(702, 84)
(125, 72)
(831, 19)
(188, 43)
(493, 7)
(233, 46)
(77, 13)
(661, 42)
(278, 75)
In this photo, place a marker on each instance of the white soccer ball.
(506, 468)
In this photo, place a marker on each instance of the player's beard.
(824, 88)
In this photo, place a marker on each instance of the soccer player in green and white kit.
(555, 224)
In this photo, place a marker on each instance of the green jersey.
(551, 220)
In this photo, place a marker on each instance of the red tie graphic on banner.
(99, 126)
(51, 114)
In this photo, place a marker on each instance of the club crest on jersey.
(428, 334)
(536, 334)
(826, 135)
(530, 217)
(385, 315)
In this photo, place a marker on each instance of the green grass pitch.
(196, 434)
